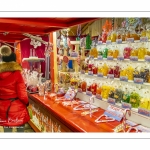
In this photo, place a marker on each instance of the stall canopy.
(12, 29)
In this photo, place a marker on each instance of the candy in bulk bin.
(127, 51)
(126, 94)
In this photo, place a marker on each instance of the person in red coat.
(13, 95)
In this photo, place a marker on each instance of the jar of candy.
(115, 52)
(113, 36)
(142, 51)
(105, 69)
(116, 71)
(127, 51)
(118, 94)
(135, 99)
(105, 52)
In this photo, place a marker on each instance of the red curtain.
(39, 51)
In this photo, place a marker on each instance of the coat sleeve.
(21, 89)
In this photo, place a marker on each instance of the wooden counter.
(49, 116)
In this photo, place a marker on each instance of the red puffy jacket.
(13, 95)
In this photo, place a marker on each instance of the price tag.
(114, 112)
(130, 40)
(108, 42)
(100, 57)
(70, 94)
(144, 112)
(79, 90)
(124, 78)
(99, 43)
(143, 129)
(133, 58)
(89, 93)
(118, 41)
(130, 123)
(110, 58)
(98, 96)
(110, 76)
(111, 101)
(120, 58)
(82, 72)
(90, 73)
(143, 39)
(138, 80)
(147, 58)
(126, 105)
(100, 74)
(74, 54)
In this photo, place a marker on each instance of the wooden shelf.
(33, 59)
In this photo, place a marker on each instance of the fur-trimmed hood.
(9, 66)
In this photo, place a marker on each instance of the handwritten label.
(99, 43)
(108, 42)
(124, 78)
(126, 105)
(82, 72)
(130, 40)
(114, 112)
(144, 112)
(110, 76)
(89, 93)
(133, 58)
(110, 58)
(118, 41)
(100, 57)
(100, 74)
(79, 90)
(143, 39)
(147, 58)
(120, 58)
(111, 101)
(98, 96)
(138, 80)
(90, 73)
(74, 54)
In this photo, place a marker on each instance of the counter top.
(73, 118)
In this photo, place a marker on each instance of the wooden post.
(18, 52)
(53, 61)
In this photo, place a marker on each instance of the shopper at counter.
(13, 95)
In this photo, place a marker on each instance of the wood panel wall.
(96, 27)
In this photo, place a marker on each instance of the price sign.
(147, 58)
(124, 78)
(143, 39)
(110, 58)
(144, 112)
(143, 129)
(120, 58)
(111, 101)
(118, 41)
(110, 76)
(99, 43)
(100, 58)
(133, 58)
(90, 73)
(114, 112)
(126, 105)
(130, 40)
(65, 59)
(100, 74)
(70, 94)
(138, 80)
(108, 42)
(89, 93)
(74, 54)
(98, 96)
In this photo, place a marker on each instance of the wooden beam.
(33, 23)
(86, 26)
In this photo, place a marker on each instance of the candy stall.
(96, 81)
